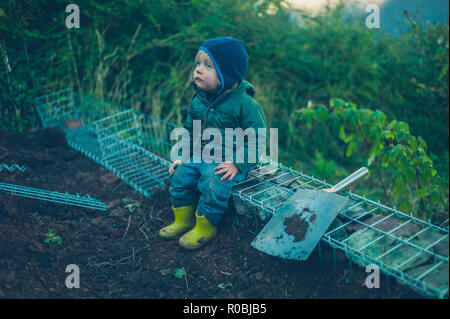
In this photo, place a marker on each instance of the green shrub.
(139, 54)
(398, 160)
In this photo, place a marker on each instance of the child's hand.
(229, 168)
(174, 165)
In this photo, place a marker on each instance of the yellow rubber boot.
(202, 233)
(184, 220)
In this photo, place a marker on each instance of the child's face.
(205, 74)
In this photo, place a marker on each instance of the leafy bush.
(139, 54)
(398, 159)
(53, 238)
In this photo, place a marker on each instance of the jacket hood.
(230, 59)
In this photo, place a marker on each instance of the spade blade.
(295, 230)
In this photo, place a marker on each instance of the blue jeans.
(196, 182)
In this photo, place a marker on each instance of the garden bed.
(119, 252)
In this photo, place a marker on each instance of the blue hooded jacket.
(235, 108)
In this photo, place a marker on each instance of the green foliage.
(224, 286)
(53, 238)
(180, 272)
(399, 159)
(131, 205)
(426, 52)
(139, 54)
(320, 166)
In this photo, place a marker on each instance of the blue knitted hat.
(230, 59)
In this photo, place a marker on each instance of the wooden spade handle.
(349, 179)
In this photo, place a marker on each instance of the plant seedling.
(180, 272)
(53, 238)
(223, 285)
(132, 204)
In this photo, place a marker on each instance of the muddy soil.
(118, 251)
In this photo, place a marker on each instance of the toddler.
(200, 191)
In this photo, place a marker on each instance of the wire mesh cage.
(409, 249)
(53, 196)
(47, 195)
(136, 147)
(13, 167)
(132, 145)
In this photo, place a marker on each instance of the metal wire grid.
(55, 107)
(53, 196)
(130, 144)
(135, 146)
(402, 246)
(51, 113)
(417, 248)
(140, 168)
(11, 168)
